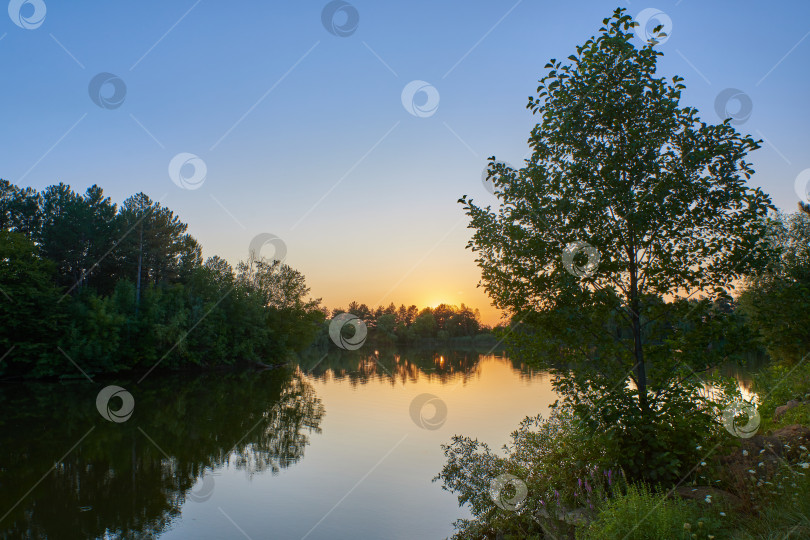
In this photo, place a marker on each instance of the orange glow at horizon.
(446, 275)
(474, 299)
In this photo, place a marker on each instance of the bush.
(777, 300)
(779, 383)
(556, 473)
(641, 514)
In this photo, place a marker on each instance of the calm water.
(327, 450)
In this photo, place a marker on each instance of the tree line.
(409, 325)
(111, 288)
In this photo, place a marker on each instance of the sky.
(349, 130)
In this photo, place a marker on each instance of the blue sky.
(304, 134)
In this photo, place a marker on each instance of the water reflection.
(401, 366)
(187, 454)
(130, 480)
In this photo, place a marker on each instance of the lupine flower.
(610, 474)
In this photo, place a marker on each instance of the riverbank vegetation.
(635, 261)
(91, 286)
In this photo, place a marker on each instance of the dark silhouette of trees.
(628, 197)
(125, 287)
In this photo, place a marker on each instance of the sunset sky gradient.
(304, 133)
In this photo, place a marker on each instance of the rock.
(785, 408)
(765, 454)
(761, 454)
(793, 434)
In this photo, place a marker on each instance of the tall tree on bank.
(628, 198)
(78, 231)
(155, 245)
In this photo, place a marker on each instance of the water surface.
(329, 449)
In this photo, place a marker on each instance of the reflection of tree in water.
(744, 371)
(401, 366)
(282, 436)
(117, 482)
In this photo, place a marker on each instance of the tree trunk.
(138, 280)
(638, 351)
(640, 368)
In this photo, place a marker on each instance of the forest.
(112, 288)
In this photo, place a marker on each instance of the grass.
(641, 514)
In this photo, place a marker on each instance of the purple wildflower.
(610, 477)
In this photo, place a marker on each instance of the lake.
(342, 446)
(338, 446)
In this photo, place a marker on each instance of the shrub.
(557, 472)
(641, 514)
(779, 383)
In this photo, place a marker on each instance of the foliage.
(406, 326)
(641, 514)
(562, 469)
(779, 383)
(31, 319)
(126, 288)
(656, 200)
(777, 298)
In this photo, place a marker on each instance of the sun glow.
(435, 303)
